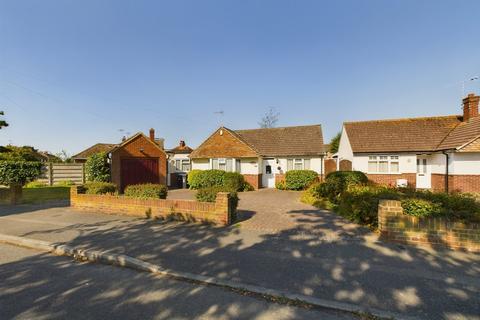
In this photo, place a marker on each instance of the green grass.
(39, 195)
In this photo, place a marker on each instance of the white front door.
(424, 174)
(268, 174)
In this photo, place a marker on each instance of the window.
(238, 165)
(289, 164)
(225, 164)
(383, 164)
(222, 164)
(298, 164)
(185, 165)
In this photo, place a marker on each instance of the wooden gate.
(139, 170)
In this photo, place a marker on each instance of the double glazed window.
(298, 164)
(226, 164)
(383, 164)
(182, 165)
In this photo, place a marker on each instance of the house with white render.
(435, 153)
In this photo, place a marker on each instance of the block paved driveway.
(282, 244)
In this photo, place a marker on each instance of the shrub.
(36, 184)
(19, 172)
(247, 187)
(420, 207)
(97, 187)
(300, 179)
(233, 181)
(281, 185)
(192, 179)
(97, 167)
(210, 194)
(339, 181)
(146, 191)
(207, 178)
(65, 183)
(312, 196)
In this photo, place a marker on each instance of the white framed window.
(225, 164)
(383, 164)
(185, 165)
(238, 165)
(298, 164)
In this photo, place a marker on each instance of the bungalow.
(262, 156)
(178, 165)
(436, 153)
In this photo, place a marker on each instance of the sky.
(74, 73)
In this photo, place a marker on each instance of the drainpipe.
(446, 170)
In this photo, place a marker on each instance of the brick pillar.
(224, 208)
(73, 195)
(15, 194)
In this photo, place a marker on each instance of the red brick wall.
(391, 179)
(133, 150)
(395, 226)
(218, 212)
(457, 183)
(254, 179)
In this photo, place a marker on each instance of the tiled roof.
(99, 147)
(285, 141)
(181, 149)
(464, 133)
(401, 135)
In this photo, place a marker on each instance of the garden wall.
(395, 226)
(219, 212)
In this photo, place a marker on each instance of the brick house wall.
(391, 179)
(395, 226)
(254, 179)
(138, 147)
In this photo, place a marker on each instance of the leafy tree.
(64, 156)
(335, 143)
(270, 119)
(19, 172)
(97, 167)
(3, 123)
(14, 153)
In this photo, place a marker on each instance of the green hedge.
(19, 172)
(420, 207)
(199, 179)
(300, 179)
(210, 194)
(146, 191)
(339, 181)
(97, 167)
(97, 187)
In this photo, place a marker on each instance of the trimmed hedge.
(300, 179)
(210, 194)
(97, 187)
(146, 191)
(199, 179)
(19, 172)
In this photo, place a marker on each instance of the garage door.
(139, 170)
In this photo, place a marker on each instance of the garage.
(139, 170)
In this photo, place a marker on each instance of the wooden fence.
(57, 172)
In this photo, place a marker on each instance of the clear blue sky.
(72, 73)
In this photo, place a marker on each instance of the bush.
(97, 167)
(192, 179)
(420, 207)
(19, 172)
(206, 178)
(36, 184)
(339, 181)
(210, 194)
(146, 191)
(247, 187)
(65, 183)
(97, 187)
(233, 181)
(300, 179)
(312, 196)
(281, 185)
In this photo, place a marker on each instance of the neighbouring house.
(178, 165)
(436, 153)
(262, 156)
(138, 159)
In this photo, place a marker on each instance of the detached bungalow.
(262, 156)
(437, 153)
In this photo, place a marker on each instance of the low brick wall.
(395, 226)
(391, 179)
(219, 212)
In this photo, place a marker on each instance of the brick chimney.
(152, 134)
(470, 106)
(182, 144)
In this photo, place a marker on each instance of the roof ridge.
(404, 119)
(285, 127)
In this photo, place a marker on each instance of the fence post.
(50, 174)
(83, 173)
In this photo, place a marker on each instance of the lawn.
(39, 195)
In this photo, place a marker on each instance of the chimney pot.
(182, 143)
(152, 134)
(470, 106)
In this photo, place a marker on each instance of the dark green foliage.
(247, 187)
(146, 191)
(98, 187)
(3, 123)
(300, 179)
(233, 181)
(339, 181)
(335, 143)
(97, 167)
(14, 153)
(210, 194)
(420, 207)
(19, 172)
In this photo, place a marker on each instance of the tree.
(270, 119)
(14, 153)
(64, 156)
(97, 167)
(3, 123)
(335, 143)
(16, 174)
